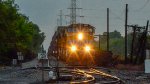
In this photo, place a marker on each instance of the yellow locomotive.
(74, 44)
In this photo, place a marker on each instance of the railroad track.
(87, 78)
(90, 77)
(115, 80)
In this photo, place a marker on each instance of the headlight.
(73, 48)
(80, 36)
(87, 48)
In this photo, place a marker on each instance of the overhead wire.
(142, 7)
(116, 16)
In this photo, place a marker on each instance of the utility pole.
(61, 14)
(107, 29)
(126, 22)
(146, 32)
(57, 22)
(134, 27)
(73, 11)
(98, 40)
(143, 53)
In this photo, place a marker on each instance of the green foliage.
(17, 33)
(115, 34)
(116, 43)
(117, 46)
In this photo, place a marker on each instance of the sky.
(45, 13)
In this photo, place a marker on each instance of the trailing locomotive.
(73, 44)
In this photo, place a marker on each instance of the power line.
(117, 16)
(73, 10)
(142, 7)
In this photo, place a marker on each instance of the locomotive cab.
(73, 44)
(80, 39)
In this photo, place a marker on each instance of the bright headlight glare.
(80, 36)
(73, 48)
(87, 48)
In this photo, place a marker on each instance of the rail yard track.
(88, 75)
(94, 76)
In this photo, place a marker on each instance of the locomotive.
(73, 44)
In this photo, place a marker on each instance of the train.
(73, 44)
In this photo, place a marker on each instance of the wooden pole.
(107, 29)
(126, 22)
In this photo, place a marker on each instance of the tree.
(116, 43)
(115, 34)
(17, 33)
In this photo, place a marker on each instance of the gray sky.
(45, 13)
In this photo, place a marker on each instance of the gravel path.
(20, 75)
(32, 63)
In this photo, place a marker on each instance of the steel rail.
(90, 78)
(118, 80)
